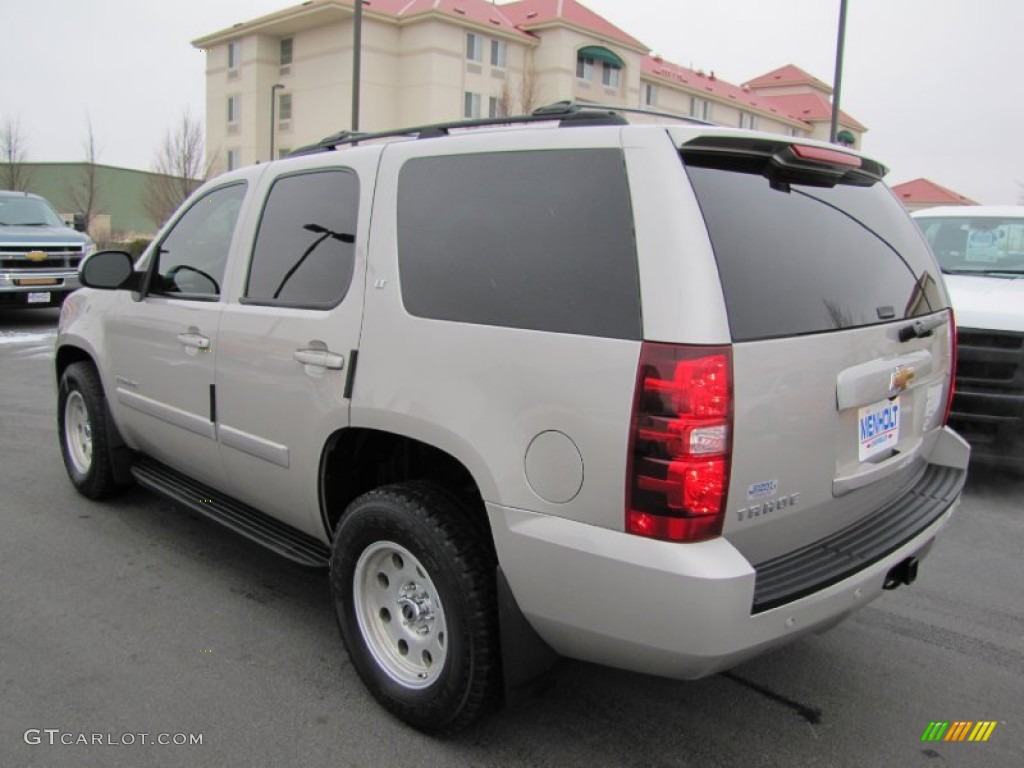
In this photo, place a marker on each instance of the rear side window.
(540, 240)
(797, 259)
(304, 250)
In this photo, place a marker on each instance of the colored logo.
(959, 730)
(900, 379)
(36, 256)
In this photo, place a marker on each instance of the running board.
(276, 536)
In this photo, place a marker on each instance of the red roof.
(925, 191)
(812, 107)
(786, 76)
(528, 14)
(479, 11)
(708, 83)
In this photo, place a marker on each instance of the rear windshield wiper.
(920, 329)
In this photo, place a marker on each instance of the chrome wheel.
(400, 614)
(78, 432)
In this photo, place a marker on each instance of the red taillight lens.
(680, 440)
(952, 366)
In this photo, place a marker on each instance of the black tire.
(449, 606)
(90, 469)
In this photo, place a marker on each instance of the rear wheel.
(84, 442)
(413, 586)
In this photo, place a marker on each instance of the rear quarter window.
(538, 240)
(797, 259)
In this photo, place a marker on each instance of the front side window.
(474, 47)
(286, 51)
(305, 245)
(976, 244)
(542, 240)
(190, 260)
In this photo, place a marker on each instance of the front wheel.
(414, 591)
(84, 441)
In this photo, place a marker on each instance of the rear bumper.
(676, 610)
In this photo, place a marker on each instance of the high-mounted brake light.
(822, 155)
(680, 442)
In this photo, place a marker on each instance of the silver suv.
(660, 398)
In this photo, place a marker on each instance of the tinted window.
(803, 259)
(304, 249)
(191, 258)
(540, 240)
(970, 244)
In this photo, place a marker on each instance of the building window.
(232, 159)
(748, 120)
(283, 152)
(286, 51)
(472, 105)
(610, 74)
(494, 107)
(700, 108)
(284, 106)
(234, 54)
(233, 109)
(499, 53)
(650, 95)
(474, 47)
(585, 68)
(794, 132)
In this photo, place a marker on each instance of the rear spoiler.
(784, 162)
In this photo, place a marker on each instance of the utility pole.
(357, 48)
(273, 128)
(837, 84)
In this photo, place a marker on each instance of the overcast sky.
(937, 82)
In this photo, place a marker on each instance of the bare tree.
(14, 174)
(179, 169)
(84, 195)
(505, 99)
(529, 86)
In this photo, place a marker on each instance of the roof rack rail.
(645, 111)
(567, 113)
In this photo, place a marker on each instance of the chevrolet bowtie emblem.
(36, 256)
(900, 379)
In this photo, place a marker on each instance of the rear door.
(287, 343)
(841, 338)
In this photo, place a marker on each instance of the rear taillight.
(680, 442)
(952, 366)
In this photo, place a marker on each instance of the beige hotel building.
(428, 61)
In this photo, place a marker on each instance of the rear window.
(973, 244)
(541, 240)
(797, 259)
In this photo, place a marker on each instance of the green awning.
(846, 137)
(600, 54)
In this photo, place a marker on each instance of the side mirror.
(79, 223)
(110, 270)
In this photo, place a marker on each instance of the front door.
(163, 347)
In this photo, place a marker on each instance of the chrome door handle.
(194, 340)
(320, 357)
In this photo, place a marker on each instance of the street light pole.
(357, 48)
(273, 127)
(838, 83)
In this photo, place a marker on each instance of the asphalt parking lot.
(135, 617)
